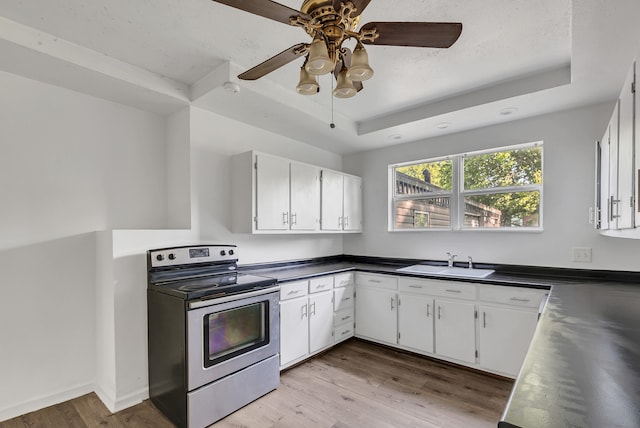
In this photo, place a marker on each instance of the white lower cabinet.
(320, 321)
(415, 322)
(376, 308)
(306, 323)
(504, 337)
(455, 330)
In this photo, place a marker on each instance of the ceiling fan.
(330, 23)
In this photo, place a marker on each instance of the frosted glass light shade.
(308, 85)
(344, 88)
(319, 61)
(360, 69)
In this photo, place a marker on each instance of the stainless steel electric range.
(214, 334)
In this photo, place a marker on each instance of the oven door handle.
(216, 300)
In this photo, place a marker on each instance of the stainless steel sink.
(446, 271)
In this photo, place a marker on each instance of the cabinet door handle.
(449, 290)
(313, 308)
(305, 311)
(484, 319)
(340, 222)
(428, 311)
(439, 311)
(285, 218)
(294, 218)
(516, 299)
(346, 221)
(392, 303)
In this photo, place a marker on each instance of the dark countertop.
(583, 366)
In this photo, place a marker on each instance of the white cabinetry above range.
(271, 194)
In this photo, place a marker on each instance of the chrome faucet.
(470, 262)
(451, 258)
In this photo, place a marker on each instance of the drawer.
(434, 287)
(290, 290)
(323, 283)
(380, 281)
(343, 332)
(343, 279)
(516, 296)
(342, 298)
(343, 317)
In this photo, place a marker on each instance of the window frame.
(458, 194)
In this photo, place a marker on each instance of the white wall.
(569, 140)
(70, 164)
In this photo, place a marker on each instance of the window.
(498, 189)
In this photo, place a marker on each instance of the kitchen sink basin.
(447, 271)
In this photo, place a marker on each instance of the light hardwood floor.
(356, 384)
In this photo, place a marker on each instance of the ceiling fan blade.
(360, 5)
(419, 34)
(266, 8)
(275, 62)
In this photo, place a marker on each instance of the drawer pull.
(449, 290)
(293, 292)
(346, 298)
(415, 286)
(375, 281)
(516, 299)
(321, 286)
(345, 318)
(345, 332)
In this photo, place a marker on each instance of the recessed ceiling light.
(443, 125)
(395, 137)
(232, 87)
(507, 111)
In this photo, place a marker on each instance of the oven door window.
(235, 331)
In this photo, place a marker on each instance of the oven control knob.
(172, 256)
(159, 257)
(223, 253)
(231, 252)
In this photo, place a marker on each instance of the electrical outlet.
(581, 254)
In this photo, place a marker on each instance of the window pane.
(499, 169)
(514, 209)
(424, 178)
(425, 213)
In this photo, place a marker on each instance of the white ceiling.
(161, 55)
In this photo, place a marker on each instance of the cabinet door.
(455, 330)
(320, 321)
(376, 314)
(305, 197)
(331, 203)
(294, 330)
(612, 192)
(504, 338)
(625, 206)
(272, 193)
(601, 220)
(415, 321)
(352, 203)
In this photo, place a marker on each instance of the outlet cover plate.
(581, 254)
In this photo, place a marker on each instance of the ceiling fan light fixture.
(319, 61)
(344, 87)
(308, 85)
(360, 69)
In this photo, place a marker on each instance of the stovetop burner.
(200, 272)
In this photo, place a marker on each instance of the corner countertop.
(583, 366)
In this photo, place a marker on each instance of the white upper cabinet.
(617, 179)
(271, 194)
(341, 202)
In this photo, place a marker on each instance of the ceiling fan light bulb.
(319, 61)
(344, 87)
(308, 85)
(360, 69)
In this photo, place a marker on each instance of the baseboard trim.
(116, 404)
(45, 401)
